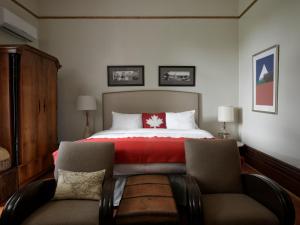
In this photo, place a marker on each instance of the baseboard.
(286, 175)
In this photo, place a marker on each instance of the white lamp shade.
(86, 103)
(225, 114)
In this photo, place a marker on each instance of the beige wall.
(243, 4)
(272, 22)
(139, 7)
(220, 49)
(33, 5)
(6, 38)
(86, 47)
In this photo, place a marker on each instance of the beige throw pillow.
(79, 185)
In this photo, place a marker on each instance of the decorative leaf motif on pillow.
(154, 121)
(79, 185)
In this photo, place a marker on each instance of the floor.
(248, 169)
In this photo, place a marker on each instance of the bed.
(142, 151)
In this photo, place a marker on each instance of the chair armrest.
(27, 200)
(271, 195)
(178, 185)
(106, 208)
(193, 201)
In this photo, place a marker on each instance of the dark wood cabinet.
(5, 105)
(51, 100)
(28, 120)
(8, 184)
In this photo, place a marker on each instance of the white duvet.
(194, 133)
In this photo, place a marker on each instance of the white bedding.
(194, 133)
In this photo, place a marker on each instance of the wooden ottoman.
(147, 199)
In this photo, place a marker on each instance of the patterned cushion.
(79, 185)
(154, 120)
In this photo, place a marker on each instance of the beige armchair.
(221, 195)
(33, 205)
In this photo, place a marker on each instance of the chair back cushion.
(215, 164)
(85, 157)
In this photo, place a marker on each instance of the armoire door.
(50, 69)
(5, 105)
(29, 107)
(42, 141)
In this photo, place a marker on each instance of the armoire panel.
(5, 106)
(29, 106)
(51, 88)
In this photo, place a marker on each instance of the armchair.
(33, 205)
(220, 194)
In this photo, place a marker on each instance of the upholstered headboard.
(148, 101)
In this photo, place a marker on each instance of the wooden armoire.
(28, 109)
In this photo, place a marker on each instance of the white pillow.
(123, 121)
(181, 120)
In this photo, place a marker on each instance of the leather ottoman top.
(147, 199)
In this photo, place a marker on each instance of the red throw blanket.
(144, 150)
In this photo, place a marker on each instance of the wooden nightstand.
(241, 146)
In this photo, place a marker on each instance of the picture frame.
(125, 75)
(265, 80)
(177, 75)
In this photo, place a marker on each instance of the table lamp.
(225, 115)
(86, 104)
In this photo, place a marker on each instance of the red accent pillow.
(154, 120)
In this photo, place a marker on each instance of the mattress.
(143, 151)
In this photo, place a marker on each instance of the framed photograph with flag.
(265, 80)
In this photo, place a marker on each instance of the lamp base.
(87, 132)
(224, 135)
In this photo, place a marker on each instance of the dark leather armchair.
(33, 205)
(220, 194)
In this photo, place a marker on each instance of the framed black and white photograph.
(125, 75)
(177, 75)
